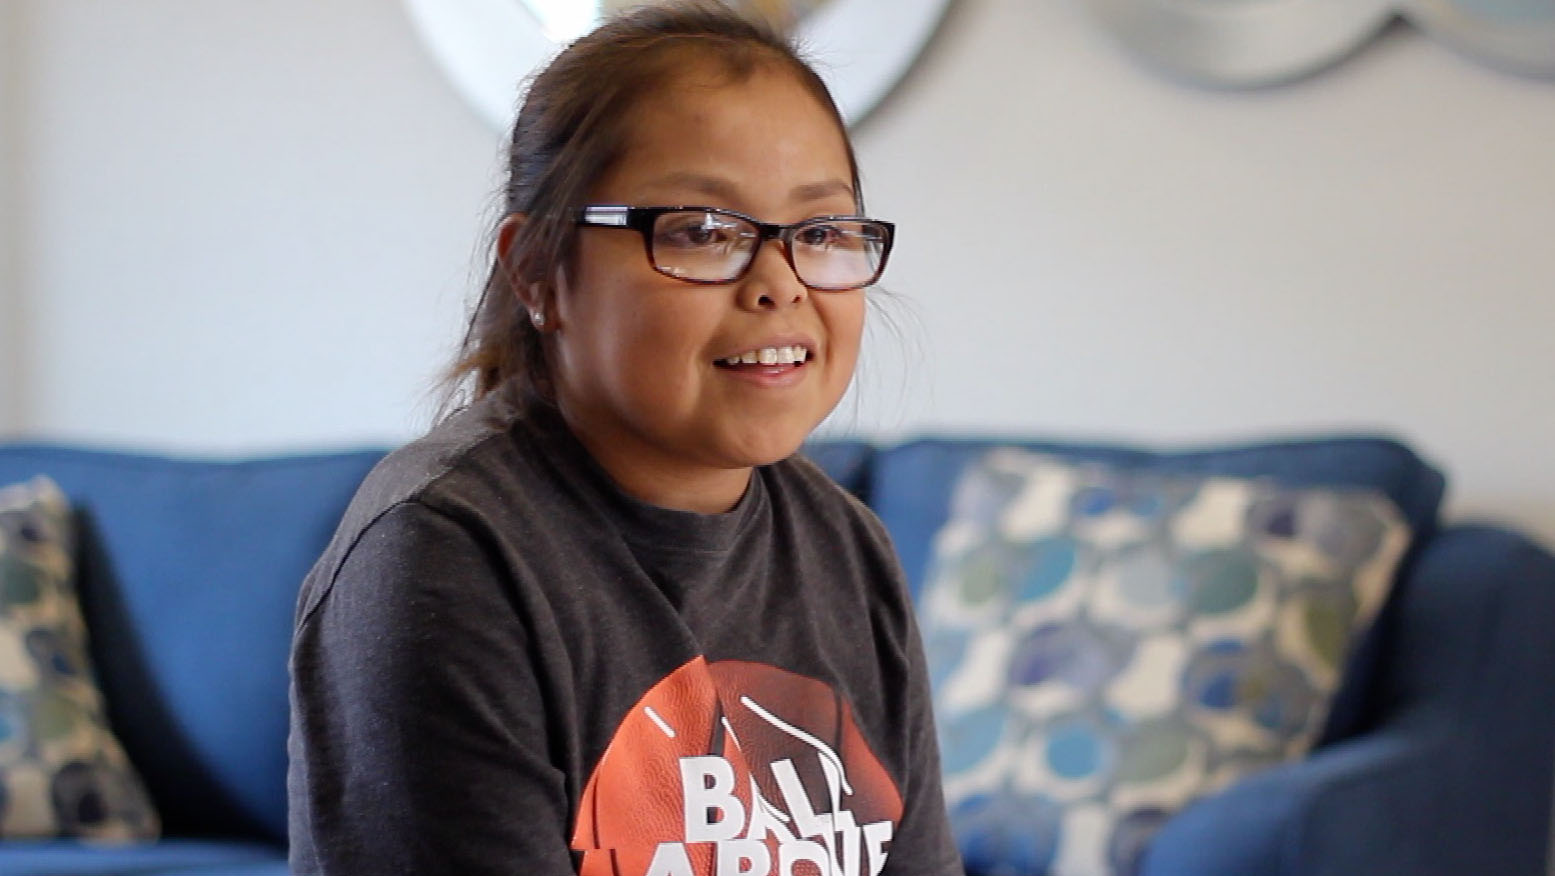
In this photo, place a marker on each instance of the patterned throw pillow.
(62, 772)
(1108, 645)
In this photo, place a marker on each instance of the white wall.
(252, 224)
(1368, 249)
(253, 227)
(11, 319)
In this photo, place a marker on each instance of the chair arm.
(1362, 806)
(1456, 776)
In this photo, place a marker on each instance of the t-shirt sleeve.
(924, 844)
(418, 738)
(927, 846)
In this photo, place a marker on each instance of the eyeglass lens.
(711, 247)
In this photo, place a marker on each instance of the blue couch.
(1437, 758)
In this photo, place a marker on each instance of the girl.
(602, 620)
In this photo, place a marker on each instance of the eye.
(821, 236)
(697, 231)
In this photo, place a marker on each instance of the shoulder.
(836, 536)
(801, 484)
(473, 440)
(429, 497)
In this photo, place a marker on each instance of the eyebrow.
(817, 191)
(722, 188)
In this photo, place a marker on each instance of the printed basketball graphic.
(737, 769)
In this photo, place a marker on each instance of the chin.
(767, 449)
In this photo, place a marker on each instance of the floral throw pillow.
(62, 772)
(1107, 645)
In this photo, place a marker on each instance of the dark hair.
(571, 128)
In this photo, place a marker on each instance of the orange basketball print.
(737, 769)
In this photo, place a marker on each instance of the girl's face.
(640, 358)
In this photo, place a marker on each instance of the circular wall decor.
(1248, 43)
(487, 47)
(1243, 43)
(1515, 35)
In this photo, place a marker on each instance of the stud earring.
(537, 318)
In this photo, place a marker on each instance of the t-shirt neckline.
(641, 523)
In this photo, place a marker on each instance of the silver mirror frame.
(1242, 45)
(487, 48)
(1515, 44)
(1251, 43)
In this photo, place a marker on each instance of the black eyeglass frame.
(642, 219)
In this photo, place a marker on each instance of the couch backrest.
(188, 574)
(846, 461)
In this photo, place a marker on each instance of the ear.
(530, 295)
(505, 232)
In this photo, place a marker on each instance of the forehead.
(763, 132)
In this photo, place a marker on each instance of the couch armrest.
(1456, 778)
(1363, 806)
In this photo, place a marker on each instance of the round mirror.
(487, 47)
(1515, 35)
(1243, 43)
(566, 20)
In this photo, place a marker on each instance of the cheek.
(636, 335)
(845, 327)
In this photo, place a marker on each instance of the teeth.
(770, 356)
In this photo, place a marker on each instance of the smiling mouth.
(768, 356)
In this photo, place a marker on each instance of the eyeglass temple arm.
(607, 215)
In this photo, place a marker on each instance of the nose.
(771, 283)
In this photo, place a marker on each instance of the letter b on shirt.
(713, 812)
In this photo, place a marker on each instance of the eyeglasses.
(711, 245)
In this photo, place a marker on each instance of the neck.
(660, 481)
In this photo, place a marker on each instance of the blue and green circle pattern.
(62, 772)
(1107, 645)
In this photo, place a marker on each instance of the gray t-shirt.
(503, 664)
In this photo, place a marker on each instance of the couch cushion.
(62, 772)
(189, 573)
(1108, 644)
(910, 485)
(165, 858)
